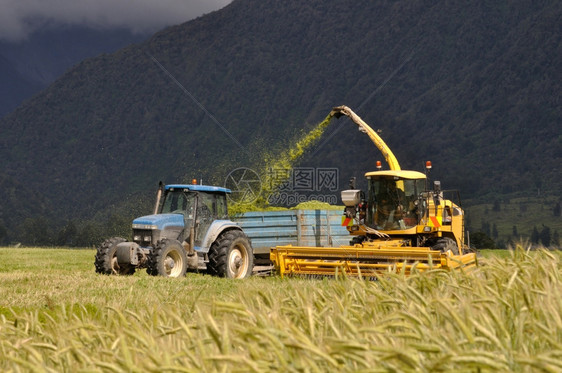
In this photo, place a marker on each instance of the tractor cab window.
(206, 213)
(222, 212)
(393, 202)
(205, 206)
(178, 202)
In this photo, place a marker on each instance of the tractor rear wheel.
(445, 244)
(231, 255)
(106, 260)
(167, 259)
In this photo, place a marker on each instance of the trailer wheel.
(231, 255)
(167, 259)
(445, 244)
(106, 260)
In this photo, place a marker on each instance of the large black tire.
(167, 259)
(445, 244)
(231, 255)
(106, 261)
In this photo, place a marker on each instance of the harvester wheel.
(445, 244)
(106, 260)
(168, 259)
(231, 255)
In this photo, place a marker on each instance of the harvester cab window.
(447, 215)
(393, 203)
(412, 209)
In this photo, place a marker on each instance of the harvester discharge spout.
(373, 135)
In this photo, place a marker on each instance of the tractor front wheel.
(167, 259)
(231, 255)
(106, 260)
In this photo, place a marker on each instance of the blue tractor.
(189, 230)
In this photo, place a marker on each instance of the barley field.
(57, 315)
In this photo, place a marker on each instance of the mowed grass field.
(57, 315)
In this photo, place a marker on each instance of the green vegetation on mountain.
(473, 87)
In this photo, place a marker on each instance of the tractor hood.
(158, 221)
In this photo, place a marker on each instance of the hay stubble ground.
(56, 314)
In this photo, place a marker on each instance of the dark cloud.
(19, 18)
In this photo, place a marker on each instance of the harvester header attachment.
(364, 261)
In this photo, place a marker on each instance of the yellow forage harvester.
(400, 224)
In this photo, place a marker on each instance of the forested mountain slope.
(475, 87)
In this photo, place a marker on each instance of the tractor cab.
(198, 204)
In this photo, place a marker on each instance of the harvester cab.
(189, 230)
(398, 206)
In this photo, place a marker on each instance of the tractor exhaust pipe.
(158, 196)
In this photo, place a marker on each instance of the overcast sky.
(18, 18)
